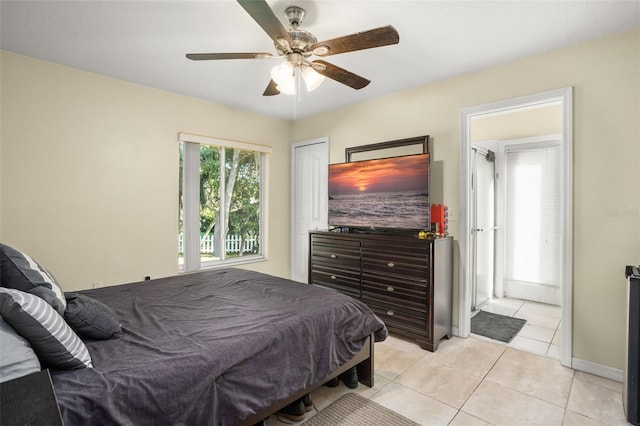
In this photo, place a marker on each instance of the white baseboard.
(597, 369)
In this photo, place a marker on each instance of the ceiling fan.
(298, 45)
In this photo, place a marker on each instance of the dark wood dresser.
(406, 281)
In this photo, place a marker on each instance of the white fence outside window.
(233, 244)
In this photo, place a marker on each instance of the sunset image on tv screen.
(381, 193)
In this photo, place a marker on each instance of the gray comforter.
(211, 348)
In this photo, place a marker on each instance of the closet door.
(309, 199)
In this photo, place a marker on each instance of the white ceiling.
(145, 42)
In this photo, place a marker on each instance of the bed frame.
(363, 361)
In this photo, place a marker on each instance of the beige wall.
(89, 167)
(605, 75)
(523, 123)
(89, 171)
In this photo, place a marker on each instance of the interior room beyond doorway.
(519, 135)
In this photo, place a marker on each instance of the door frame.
(564, 95)
(319, 141)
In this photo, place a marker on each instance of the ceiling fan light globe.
(283, 74)
(312, 79)
(287, 89)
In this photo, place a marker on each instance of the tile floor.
(541, 333)
(479, 382)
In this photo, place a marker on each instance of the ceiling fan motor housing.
(301, 39)
(295, 15)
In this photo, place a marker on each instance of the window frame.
(191, 200)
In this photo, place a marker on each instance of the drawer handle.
(333, 277)
(390, 288)
(333, 256)
(390, 313)
(390, 264)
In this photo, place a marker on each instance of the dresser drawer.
(335, 250)
(394, 267)
(415, 293)
(395, 318)
(395, 305)
(344, 281)
(400, 261)
(412, 248)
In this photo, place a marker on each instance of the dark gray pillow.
(90, 318)
(55, 343)
(17, 358)
(19, 271)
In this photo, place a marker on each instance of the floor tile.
(575, 419)
(597, 403)
(554, 352)
(529, 345)
(541, 309)
(471, 355)
(506, 302)
(499, 309)
(536, 332)
(486, 339)
(451, 386)
(499, 405)
(533, 375)
(390, 361)
(415, 406)
(599, 381)
(464, 419)
(539, 320)
(402, 343)
(557, 338)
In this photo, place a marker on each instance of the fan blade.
(271, 89)
(263, 15)
(340, 75)
(377, 37)
(212, 56)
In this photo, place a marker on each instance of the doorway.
(469, 237)
(309, 198)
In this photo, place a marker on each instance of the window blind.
(533, 237)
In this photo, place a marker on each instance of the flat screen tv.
(383, 194)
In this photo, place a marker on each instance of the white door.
(484, 226)
(309, 198)
(533, 231)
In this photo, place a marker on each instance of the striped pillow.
(55, 343)
(21, 272)
(17, 358)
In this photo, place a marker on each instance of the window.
(221, 202)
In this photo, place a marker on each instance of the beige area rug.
(354, 410)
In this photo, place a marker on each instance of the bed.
(221, 347)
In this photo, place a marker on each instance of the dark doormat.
(496, 327)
